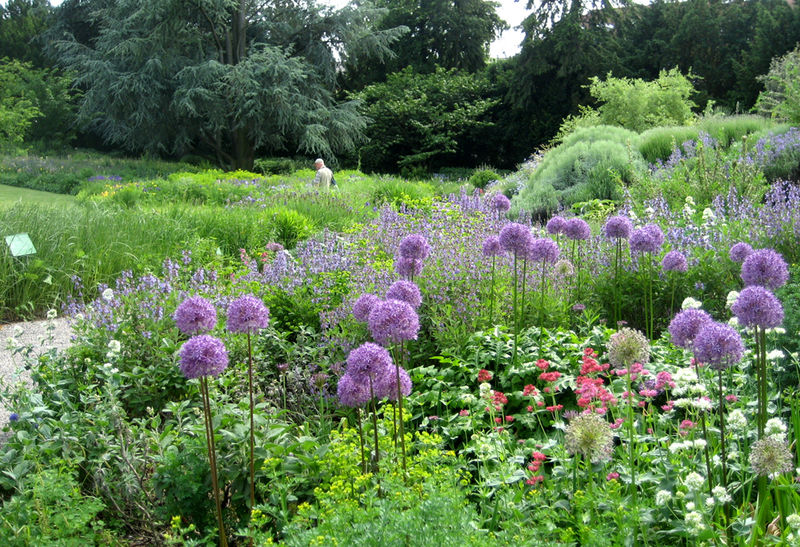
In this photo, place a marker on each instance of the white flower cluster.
(663, 497)
(114, 348)
(737, 421)
(775, 428)
(721, 494)
(694, 481)
(691, 303)
(680, 446)
(686, 382)
(688, 208)
(694, 521)
(699, 403)
(731, 298)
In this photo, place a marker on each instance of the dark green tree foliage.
(232, 77)
(22, 23)
(421, 122)
(441, 33)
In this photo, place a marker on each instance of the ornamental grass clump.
(617, 228)
(203, 356)
(248, 314)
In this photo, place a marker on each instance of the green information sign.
(20, 245)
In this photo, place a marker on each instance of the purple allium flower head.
(577, 228)
(414, 246)
(408, 267)
(387, 384)
(543, 249)
(765, 267)
(618, 227)
(718, 345)
(363, 306)
(393, 321)
(556, 225)
(407, 291)
(758, 307)
(647, 239)
(674, 261)
(351, 392)
(685, 325)
(195, 315)
(500, 203)
(491, 247)
(203, 355)
(740, 251)
(247, 314)
(368, 361)
(515, 238)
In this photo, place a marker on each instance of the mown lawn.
(11, 194)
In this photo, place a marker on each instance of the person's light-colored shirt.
(323, 177)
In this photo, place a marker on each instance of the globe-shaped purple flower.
(203, 355)
(556, 225)
(685, 325)
(515, 238)
(247, 314)
(617, 227)
(740, 251)
(368, 361)
(405, 291)
(765, 267)
(195, 315)
(500, 203)
(393, 321)
(387, 384)
(491, 246)
(363, 305)
(647, 239)
(351, 392)
(543, 249)
(408, 267)
(674, 261)
(758, 307)
(577, 229)
(414, 246)
(718, 345)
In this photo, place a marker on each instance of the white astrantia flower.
(700, 443)
(710, 501)
(690, 506)
(115, 346)
(775, 427)
(693, 481)
(694, 521)
(52, 314)
(690, 303)
(79, 317)
(731, 298)
(677, 447)
(775, 354)
(793, 520)
(663, 497)
(733, 322)
(776, 330)
(737, 421)
(721, 494)
(108, 294)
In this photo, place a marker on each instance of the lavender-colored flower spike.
(247, 314)
(674, 261)
(685, 325)
(405, 291)
(195, 315)
(758, 307)
(740, 251)
(414, 246)
(203, 355)
(515, 238)
(387, 384)
(368, 361)
(408, 267)
(393, 321)
(351, 392)
(556, 225)
(491, 246)
(363, 306)
(543, 249)
(718, 345)
(500, 203)
(765, 267)
(618, 227)
(577, 229)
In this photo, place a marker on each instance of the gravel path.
(35, 334)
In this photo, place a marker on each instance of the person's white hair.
(319, 161)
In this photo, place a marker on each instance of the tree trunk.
(243, 150)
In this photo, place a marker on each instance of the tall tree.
(441, 33)
(22, 23)
(230, 76)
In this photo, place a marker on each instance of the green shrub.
(482, 177)
(289, 227)
(276, 166)
(781, 96)
(727, 130)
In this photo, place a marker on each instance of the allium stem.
(252, 426)
(400, 407)
(377, 457)
(631, 461)
(726, 508)
(514, 311)
(491, 295)
(212, 458)
(705, 438)
(617, 304)
(524, 279)
(361, 441)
